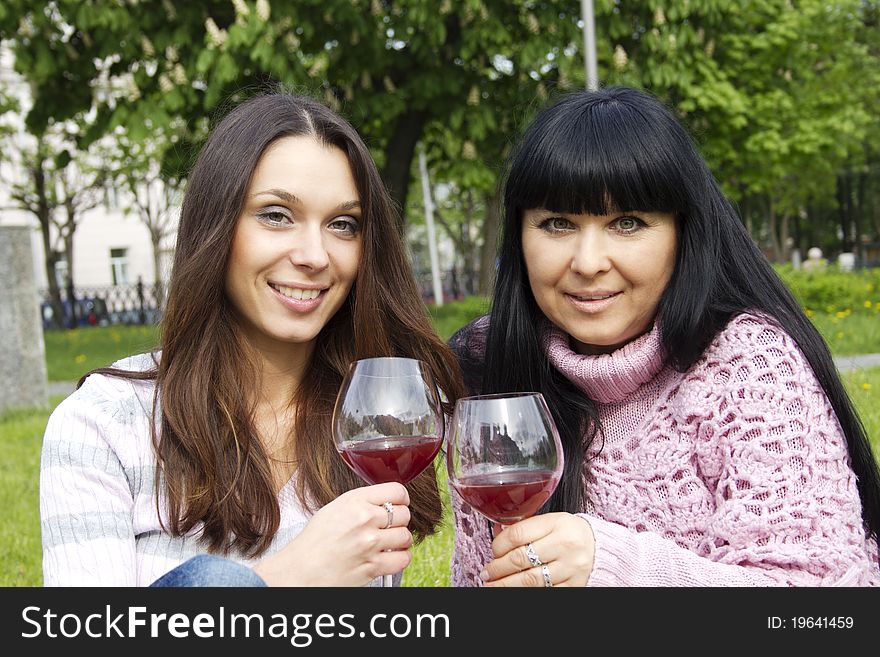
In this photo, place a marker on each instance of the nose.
(592, 255)
(308, 249)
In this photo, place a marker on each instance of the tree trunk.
(772, 231)
(784, 247)
(398, 158)
(490, 246)
(71, 292)
(44, 217)
(158, 291)
(843, 205)
(860, 212)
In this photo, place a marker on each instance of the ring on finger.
(389, 509)
(533, 556)
(545, 572)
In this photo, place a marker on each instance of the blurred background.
(105, 103)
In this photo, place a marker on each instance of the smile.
(593, 303)
(297, 293)
(593, 297)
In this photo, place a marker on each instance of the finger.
(389, 515)
(517, 560)
(396, 538)
(389, 563)
(387, 492)
(530, 530)
(533, 577)
(400, 516)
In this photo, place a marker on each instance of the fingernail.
(484, 575)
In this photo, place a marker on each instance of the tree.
(153, 195)
(393, 67)
(56, 190)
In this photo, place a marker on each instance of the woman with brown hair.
(288, 267)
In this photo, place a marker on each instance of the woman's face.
(599, 278)
(297, 245)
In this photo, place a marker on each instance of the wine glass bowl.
(387, 421)
(504, 455)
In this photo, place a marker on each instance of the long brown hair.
(212, 465)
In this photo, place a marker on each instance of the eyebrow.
(292, 199)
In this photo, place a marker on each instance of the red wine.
(393, 458)
(507, 497)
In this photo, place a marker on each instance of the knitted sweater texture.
(735, 473)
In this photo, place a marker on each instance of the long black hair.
(622, 149)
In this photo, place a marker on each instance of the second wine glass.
(504, 455)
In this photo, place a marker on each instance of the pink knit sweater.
(735, 473)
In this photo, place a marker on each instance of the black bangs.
(597, 156)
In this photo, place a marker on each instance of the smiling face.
(599, 278)
(297, 244)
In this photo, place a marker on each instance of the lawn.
(72, 353)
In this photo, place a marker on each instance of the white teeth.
(596, 298)
(297, 293)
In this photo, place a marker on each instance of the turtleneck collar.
(608, 378)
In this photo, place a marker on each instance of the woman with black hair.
(708, 439)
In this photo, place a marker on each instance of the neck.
(280, 370)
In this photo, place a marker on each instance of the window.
(119, 266)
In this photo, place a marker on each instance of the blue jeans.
(209, 570)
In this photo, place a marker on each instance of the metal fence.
(137, 303)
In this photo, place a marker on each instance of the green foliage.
(835, 292)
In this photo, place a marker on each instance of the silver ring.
(533, 556)
(389, 509)
(545, 571)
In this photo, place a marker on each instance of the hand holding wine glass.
(388, 422)
(505, 458)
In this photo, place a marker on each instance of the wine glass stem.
(386, 581)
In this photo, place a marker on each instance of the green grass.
(70, 354)
(849, 333)
(430, 562)
(21, 434)
(450, 317)
(864, 390)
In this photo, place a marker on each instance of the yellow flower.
(80, 359)
(868, 304)
(809, 312)
(866, 386)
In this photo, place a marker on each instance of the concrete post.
(23, 380)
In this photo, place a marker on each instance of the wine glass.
(387, 421)
(504, 454)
